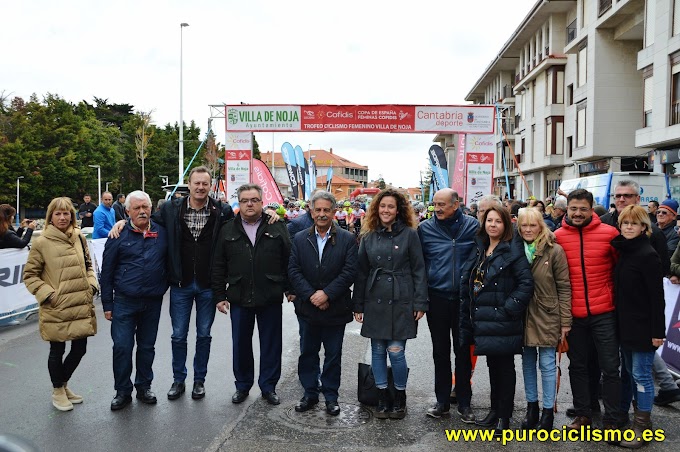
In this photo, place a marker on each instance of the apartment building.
(576, 85)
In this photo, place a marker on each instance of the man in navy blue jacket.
(133, 282)
(323, 264)
(447, 239)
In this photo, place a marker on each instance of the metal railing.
(507, 92)
(571, 31)
(675, 112)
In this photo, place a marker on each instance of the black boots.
(399, 407)
(531, 419)
(489, 421)
(502, 424)
(547, 419)
(383, 409)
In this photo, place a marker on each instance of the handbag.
(367, 393)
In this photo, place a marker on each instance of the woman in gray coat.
(390, 292)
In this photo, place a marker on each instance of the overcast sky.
(262, 52)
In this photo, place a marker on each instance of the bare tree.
(143, 136)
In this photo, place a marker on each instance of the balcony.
(571, 31)
(518, 118)
(508, 129)
(507, 91)
(675, 113)
(604, 6)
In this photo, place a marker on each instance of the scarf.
(530, 251)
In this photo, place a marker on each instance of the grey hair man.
(485, 202)
(322, 267)
(559, 210)
(132, 298)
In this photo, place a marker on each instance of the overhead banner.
(458, 173)
(440, 169)
(361, 118)
(479, 159)
(263, 177)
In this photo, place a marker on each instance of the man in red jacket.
(591, 258)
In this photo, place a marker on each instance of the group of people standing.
(488, 286)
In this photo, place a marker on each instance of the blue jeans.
(311, 338)
(548, 365)
(134, 318)
(639, 369)
(181, 302)
(380, 348)
(270, 330)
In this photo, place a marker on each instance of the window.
(648, 95)
(571, 31)
(533, 141)
(554, 85)
(521, 152)
(650, 22)
(570, 94)
(533, 98)
(675, 88)
(582, 65)
(581, 124)
(570, 148)
(554, 135)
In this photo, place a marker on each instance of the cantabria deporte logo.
(232, 116)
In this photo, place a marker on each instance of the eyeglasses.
(624, 195)
(579, 209)
(250, 201)
(662, 212)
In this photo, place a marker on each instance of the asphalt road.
(215, 424)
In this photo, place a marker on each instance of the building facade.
(584, 87)
(347, 175)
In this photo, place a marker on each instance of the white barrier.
(14, 297)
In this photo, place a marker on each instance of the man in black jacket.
(323, 264)
(86, 212)
(119, 207)
(250, 276)
(192, 224)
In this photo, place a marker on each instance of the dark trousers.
(134, 319)
(601, 330)
(311, 339)
(443, 320)
(61, 369)
(502, 379)
(269, 328)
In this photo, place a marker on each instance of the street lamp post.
(18, 215)
(107, 186)
(181, 120)
(99, 182)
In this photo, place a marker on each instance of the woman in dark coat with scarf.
(640, 305)
(390, 292)
(496, 287)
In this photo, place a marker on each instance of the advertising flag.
(288, 154)
(312, 173)
(458, 179)
(263, 177)
(439, 166)
(302, 172)
(329, 179)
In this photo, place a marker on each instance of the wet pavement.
(216, 424)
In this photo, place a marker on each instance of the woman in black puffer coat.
(495, 290)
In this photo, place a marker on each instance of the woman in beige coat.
(548, 317)
(60, 276)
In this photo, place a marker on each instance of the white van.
(653, 186)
